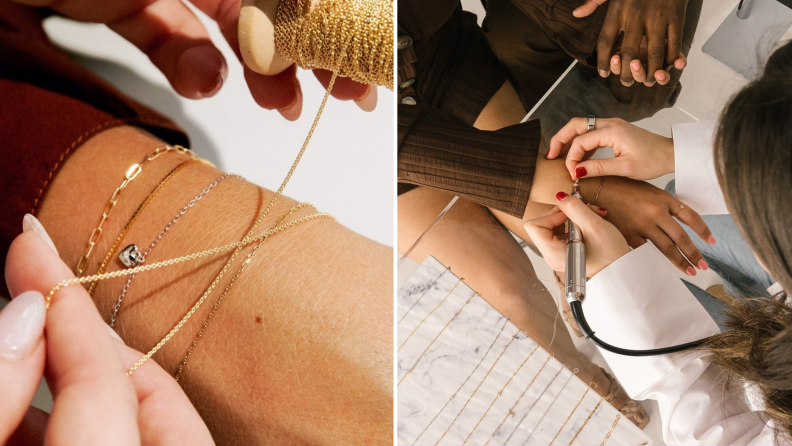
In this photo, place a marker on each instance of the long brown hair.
(753, 157)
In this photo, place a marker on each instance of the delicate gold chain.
(615, 422)
(435, 338)
(551, 405)
(587, 420)
(131, 173)
(138, 211)
(351, 37)
(538, 398)
(511, 409)
(499, 394)
(571, 413)
(422, 295)
(505, 323)
(430, 313)
(225, 292)
(477, 387)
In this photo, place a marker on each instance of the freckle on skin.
(258, 319)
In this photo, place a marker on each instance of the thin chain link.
(131, 174)
(615, 422)
(586, 422)
(573, 411)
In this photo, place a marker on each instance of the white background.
(348, 169)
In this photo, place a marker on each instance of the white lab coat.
(638, 302)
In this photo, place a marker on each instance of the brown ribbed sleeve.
(492, 168)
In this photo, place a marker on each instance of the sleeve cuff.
(696, 181)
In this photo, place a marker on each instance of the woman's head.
(753, 157)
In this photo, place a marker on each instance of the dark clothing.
(50, 106)
(452, 68)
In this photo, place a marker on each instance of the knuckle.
(629, 52)
(604, 41)
(656, 54)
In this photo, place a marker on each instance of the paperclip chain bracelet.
(174, 220)
(149, 198)
(131, 173)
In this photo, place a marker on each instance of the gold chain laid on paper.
(477, 388)
(155, 242)
(505, 323)
(435, 338)
(514, 406)
(138, 211)
(430, 313)
(573, 411)
(500, 392)
(586, 422)
(615, 422)
(422, 295)
(228, 287)
(538, 398)
(130, 176)
(352, 38)
(549, 407)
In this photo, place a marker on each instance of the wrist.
(669, 156)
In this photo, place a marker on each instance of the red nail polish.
(561, 195)
(603, 209)
(690, 271)
(580, 172)
(587, 203)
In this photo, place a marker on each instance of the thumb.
(619, 166)
(587, 8)
(578, 212)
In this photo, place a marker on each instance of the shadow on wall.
(164, 100)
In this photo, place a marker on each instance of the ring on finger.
(592, 122)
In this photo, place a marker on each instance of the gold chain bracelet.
(131, 173)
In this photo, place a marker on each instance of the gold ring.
(681, 207)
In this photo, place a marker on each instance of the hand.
(643, 212)
(178, 44)
(640, 154)
(661, 22)
(604, 243)
(95, 402)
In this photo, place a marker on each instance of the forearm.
(304, 335)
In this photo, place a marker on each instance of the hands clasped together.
(636, 210)
(84, 362)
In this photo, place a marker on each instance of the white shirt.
(638, 302)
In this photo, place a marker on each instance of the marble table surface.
(467, 375)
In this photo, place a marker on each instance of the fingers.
(84, 371)
(685, 244)
(22, 356)
(681, 62)
(615, 65)
(607, 40)
(587, 8)
(629, 51)
(580, 213)
(693, 220)
(667, 246)
(562, 141)
(637, 70)
(673, 46)
(30, 431)
(178, 44)
(655, 53)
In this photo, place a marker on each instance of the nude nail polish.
(31, 223)
(635, 65)
(561, 195)
(690, 271)
(581, 172)
(711, 239)
(660, 76)
(702, 264)
(21, 325)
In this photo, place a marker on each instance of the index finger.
(562, 140)
(84, 370)
(584, 145)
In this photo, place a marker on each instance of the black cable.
(577, 313)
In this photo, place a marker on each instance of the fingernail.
(616, 60)
(660, 76)
(204, 62)
(702, 264)
(580, 172)
(587, 203)
(368, 102)
(627, 84)
(603, 209)
(561, 195)
(681, 65)
(711, 239)
(690, 271)
(21, 325)
(635, 65)
(293, 110)
(603, 73)
(114, 335)
(31, 223)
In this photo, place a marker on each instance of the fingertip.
(690, 271)
(635, 64)
(292, 111)
(680, 63)
(711, 239)
(368, 102)
(200, 72)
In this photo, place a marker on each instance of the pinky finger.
(615, 65)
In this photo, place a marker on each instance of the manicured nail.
(603, 73)
(586, 202)
(690, 271)
(561, 195)
(21, 325)
(368, 102)
(711, 239)
(680, 65)
(31, 223)
(635, 65)
(603, 209)
(702, 264)
(580, 172)
(204, 62)
(293, 110)
(660, 76)
(114, 335)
